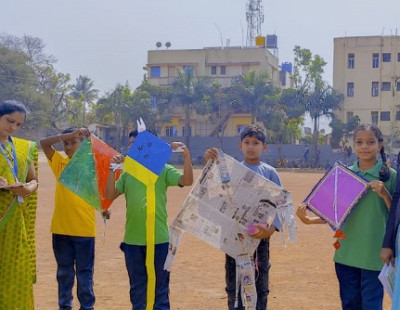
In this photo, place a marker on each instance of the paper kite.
(87, 171)
(144, 161)
(336, 194)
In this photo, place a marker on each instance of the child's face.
(70, 146)
(252, 148)
(366, 145)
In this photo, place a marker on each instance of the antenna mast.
(254, 17)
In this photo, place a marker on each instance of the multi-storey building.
(367, 71)
(221, 64)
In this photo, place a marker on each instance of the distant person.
(252, 144)
(306, 153)
(135, 243)
(18, 158)
(73, 226)
(357, 260)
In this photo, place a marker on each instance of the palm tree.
(83, 90)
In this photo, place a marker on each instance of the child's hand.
(262, 231)
(178, 147)
(387, 255)
(302, 214)
(211, 153)
(81, 133)
(305, 218)
(117, 159)
(379, 188)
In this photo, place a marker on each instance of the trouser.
(135, 261)
(74, 255)
(360, 289)
(261, 258)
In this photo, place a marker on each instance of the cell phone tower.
(254, 17)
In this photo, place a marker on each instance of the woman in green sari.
(18, 185)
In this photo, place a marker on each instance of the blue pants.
(261, 276)
(360, 289)
(74, 255)
(135, 261)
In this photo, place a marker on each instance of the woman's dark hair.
(11, 106)
(384, 173)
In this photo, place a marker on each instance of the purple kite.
(336, 194)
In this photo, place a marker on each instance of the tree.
(318, 98)
(340, 129)
(191, 93)
(83, 91)
(253, 90)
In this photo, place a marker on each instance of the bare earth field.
(302, 276)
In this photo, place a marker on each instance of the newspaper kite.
(86, 172)
(226, 200)
(144, 161)
(336, 194)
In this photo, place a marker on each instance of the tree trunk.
(187, 123)
(315, 158)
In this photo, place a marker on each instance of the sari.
(17, 232)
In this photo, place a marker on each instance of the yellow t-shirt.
(72, 215)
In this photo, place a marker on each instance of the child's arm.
(379, 188)
(305, 218)
(111, 192)
(187, 177)
(48, 142)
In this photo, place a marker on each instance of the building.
(224, 65)
(367, 71)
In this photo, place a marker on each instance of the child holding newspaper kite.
(146, 239)
(357, 261)
(252, 144)
(73, 225)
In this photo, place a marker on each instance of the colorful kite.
(87, 171)
(335, 196)
(145, 161)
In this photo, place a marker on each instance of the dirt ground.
(302, 276)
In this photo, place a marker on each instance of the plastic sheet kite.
(145, 161)
(86, 173)
(336, 194)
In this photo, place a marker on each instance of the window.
(386, 86)
(183, 131)
(213, 70)
(375, 60)
(155, 71)
(188, 70)
(386, 57)
(398, 86)
(398, 56)
(350, 89)
(397, 115)
(375, 89)
(171, 131)
(385, 116)
(223, 70)
(374, 118)
(350, 61)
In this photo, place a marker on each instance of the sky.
(108, 40)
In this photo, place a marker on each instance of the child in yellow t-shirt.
(73, 226)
